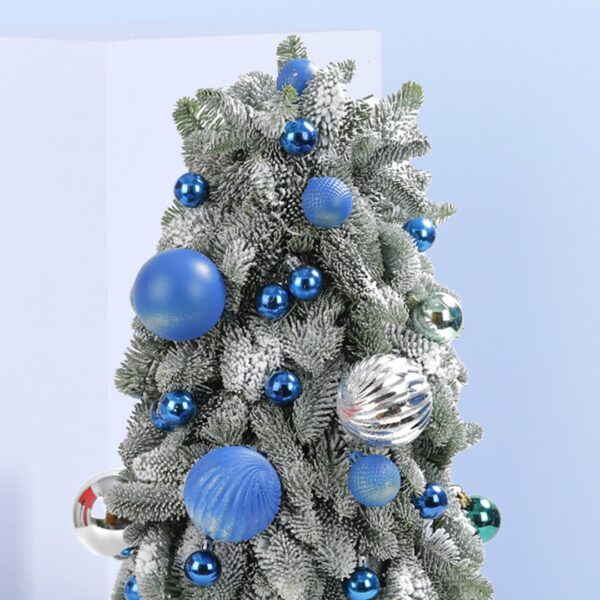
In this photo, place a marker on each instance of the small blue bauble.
(327, 201)
(273, 301)
(232, 494)
(362, 585)
(297, 73)
(191, 190)
(283, 387)
(177, 407)
(433, 502)
(127, 552)
(131, 590)
(179, 294)
(374, 480)
(422, 231)
(157, 419)
(306, 283)
(202, 568)
(299, 137)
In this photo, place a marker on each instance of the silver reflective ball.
(439, 318)
(385, 401)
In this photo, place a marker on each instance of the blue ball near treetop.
(179, 294)
(326, 201)
(131, 590)
(433, 502)
(299, 137)
(202, 568)
(306, 283)
(363, 584)
(283, 388)
(374, 480)
(191, 190)
(177, 407)
(297, 73)
(422, 232)
(273, 301)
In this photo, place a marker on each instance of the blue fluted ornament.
(131, 590)
(485, 516)
(272, 301)
(439, 317)
(422, 232)
(363, 584)
(232, 493)
(157, 419)
(177, 407)
(306, 283)
(326, 201)
(297, 73)
(202, 568)
(299, 137)
(433, 502)
(179, 294)
(373, 480)
(283, 387)
(191, 190)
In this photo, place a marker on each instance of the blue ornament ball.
(157, 419)
(179, 294)
(202, 568)
(283, 388)
(297, 73)
(232, 493)
(422, 232)
(131, 590)
(306, 283)
(177, 407)
(191, 190)
(127, 552)
(326, 201)
(299, 137)
(273, 301)
(433, 502)
(363, 584)
(374, 480)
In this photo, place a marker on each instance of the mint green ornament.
(485, 516)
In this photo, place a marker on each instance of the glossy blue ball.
(374, 480)
(232, 493)
(202, 568)
(191, 190)
(297, 73)
(363, 584)
(306, 283)
(283, 387)
(127, 552)
(157, 419)
(433, 502)
(179, 294)
(272, 301)
(299, 137)
(131, 590)
(177, 407)
(326, 201)
(422, 232)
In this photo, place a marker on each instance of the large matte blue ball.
(306, 283)
(232, 494)
(177, 407)
(283, 388)
(273, 301)
(422, 232)
(297, 73)
(433, 502)
(191, 190)
(131, 590)
(202, 568)
(363, 584)
(327, 201)
(374, 480)
(299, 137)
(179, 294)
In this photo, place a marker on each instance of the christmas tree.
(297, 387)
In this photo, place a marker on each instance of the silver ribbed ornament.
(385, 401)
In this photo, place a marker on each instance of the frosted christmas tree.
(297, 387)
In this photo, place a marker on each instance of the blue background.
(512, 97)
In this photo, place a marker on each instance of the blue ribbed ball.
(433, 502)
(131, 590)
(283, 388)
(299, 137)
(306, 283)
(363, 584)
(297, 73)
(202, 568)
(422, 232)
(177, 407)
(179, 294)
(232, 493)
(191, 190)
(374, 480)
(326, 201)
(273, 301)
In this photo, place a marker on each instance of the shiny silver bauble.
(439, 318)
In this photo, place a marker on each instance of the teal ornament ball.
(297, 73)
(439, 318)
(374, 480)
(131, 590)
(363, 584)
(326, 202)
(485, 516)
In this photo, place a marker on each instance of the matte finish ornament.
(177, 407)
(272, 302)
(131, 590)
(385, 401)
(422, 232)
(374, 480)
(326, 201)
(485, 516)
(306, 283)
(297, 73)
(439, 318)
(433, 502)
(179, 294)
(191, 190)
(363, 584)
(299, 137)
(202, 568)
(232, 493)
(283, 388)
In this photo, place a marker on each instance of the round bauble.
(272, 302)
(232, 494)
(385, 401)
(433, 502)
(179, 294)
(283, 388)
(299, 137)
(422, 232)
(439, 318)
(177, 407)
(131, 590)
(374, 480)
(363, 584)
(305, 283)
(191, 190)
(297, 73)
(157, 419)
(102, 536)
(202, 568)
(326, 201)
(485, 516)
(127, 552)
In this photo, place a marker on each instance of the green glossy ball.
(485, 516)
